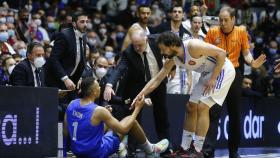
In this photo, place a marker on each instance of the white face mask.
(39, 62)
(2, 20)
(10, 69)
(100, 72)
(38, 22)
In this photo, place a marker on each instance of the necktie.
(146, 66)
(37, 75)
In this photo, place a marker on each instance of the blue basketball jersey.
(85, 138)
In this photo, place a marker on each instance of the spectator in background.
(17, 58)
(93, 39)
(8, 64)
(113, 8)
(246, 16)
(37, 20)
(105, 36)
(110, 55)
(20, 48)
(52, 26)
(5, 48)
(22, 24)
(11, 17)
(29, 72)
(12, 34)
(273, 53)
(48, 50)
(247, 88)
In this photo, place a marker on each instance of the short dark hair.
(86, 86)
(76, 15)
(168, 39)
(176, 6)
(142, 6)
(230, 10)
(195, 15)
(32, 45)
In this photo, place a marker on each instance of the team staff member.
(234, 40)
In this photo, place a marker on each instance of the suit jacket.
(132, 68)
(166, 26)
(63, 58)
(22, 75)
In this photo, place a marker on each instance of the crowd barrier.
(29, 124)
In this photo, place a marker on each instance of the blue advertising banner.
(260, 121)
(28, 122)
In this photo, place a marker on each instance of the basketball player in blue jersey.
(217, 74)
(86, 122)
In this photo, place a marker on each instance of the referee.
(234, 40)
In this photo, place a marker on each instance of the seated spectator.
(20, 48)
(247, 88)
(4, 36)
(29, 72)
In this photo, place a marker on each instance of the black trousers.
(233, 101)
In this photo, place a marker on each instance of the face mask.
(155, 7)
(92, 41)
(97, 21)
(109, 55)
(11, 33)
(133, 8)
(22, 52)
(259, 40)
(10, 19)
(101, 72)
(51, 25)
(38, 22)
(39, 62)
(2, 20)
(272, 51)
(102, 31)
(120, 35)
(278, 39)
(4, 36)
(28, 7)
(89, 26)
(10, 69)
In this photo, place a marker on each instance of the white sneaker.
(158, 148)
(122, 150)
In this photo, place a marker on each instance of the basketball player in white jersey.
(217, 74)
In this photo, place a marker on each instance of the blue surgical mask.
(22, 52)
(109, 55)
(10, 19)
(259, 40)
(272, 51)
(4, 36)
(11, 32)
(51, 25)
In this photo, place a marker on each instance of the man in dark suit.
(175, 24)
(67, 60)
(139, 62)
(29, 72)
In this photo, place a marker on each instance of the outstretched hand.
(140, 102)
(137, 98)
(259, 61)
